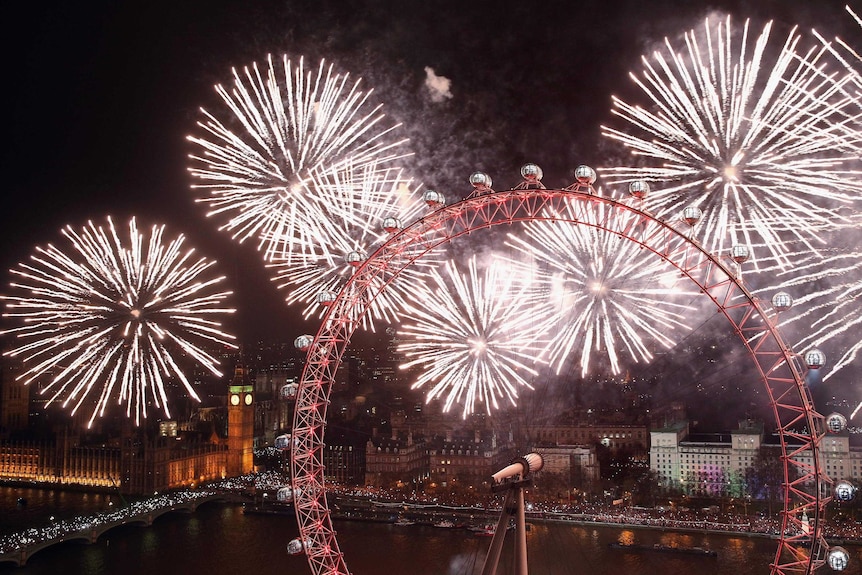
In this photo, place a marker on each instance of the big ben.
(240, 425)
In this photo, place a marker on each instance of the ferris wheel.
(799, 427)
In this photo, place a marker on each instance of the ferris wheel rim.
(489, 208)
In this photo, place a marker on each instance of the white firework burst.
(744, 132)
(473, 336)
(104, 321)
(849, 85)
(605, 298)
(826, 291)
(287, 129)
(358, 209)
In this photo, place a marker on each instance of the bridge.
(19, 547)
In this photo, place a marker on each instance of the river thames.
(220, 538)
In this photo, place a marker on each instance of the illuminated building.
(716, 465)
(62, 462)
(136, 462)
(389, 460)
(441, 460)
(473, 460)
(240, 425)
(344, 463)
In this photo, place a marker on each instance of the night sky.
(100, 97)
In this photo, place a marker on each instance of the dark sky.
(101, 95)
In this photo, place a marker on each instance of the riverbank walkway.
(19, 547)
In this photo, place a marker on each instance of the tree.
(551, 485)
(764, 480)
(646, 488)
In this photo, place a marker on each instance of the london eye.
(806, 489)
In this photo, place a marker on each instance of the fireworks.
(310, 177)
(827, 287)
(826, 293)
(849, 85)
(604, 295)
(104, 321)
(473, 337)
(294, 128)
(351, 208)
(746, 136)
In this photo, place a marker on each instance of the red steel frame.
(799, 427)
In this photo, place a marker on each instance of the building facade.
(577, 464)
(135, 462)
(613, 436)
(395, 459)
(61, 463)
(718, 467)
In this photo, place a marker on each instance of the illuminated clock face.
(234, 399)
(248, 399)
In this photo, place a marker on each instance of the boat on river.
(401, 522)
(483, 530)
(664, 549)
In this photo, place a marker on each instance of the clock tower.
(240, 424)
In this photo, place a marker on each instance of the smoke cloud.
(438, 86)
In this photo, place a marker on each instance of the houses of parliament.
(115, 455)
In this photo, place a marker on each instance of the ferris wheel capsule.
(740, 253)
(286, 494)
(585, 175)
(288, 393)
(782, 301)
(837, 558)
(285, 442)
(295, 546)
(355, 258)
(845, 491)
(836, 423)
(638, 189)
(480, 181)
(691, 215)
(814, 358)
(433, 199)
(303, 342)
(392, 225)
(326, 298)
(532, 173)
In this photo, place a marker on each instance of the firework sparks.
(352, 208)
(849, 85)
(295, 127)
(826, 292)
(827, 287)
(472, 337)
(744, 136)
(103, 321)
(604, 297)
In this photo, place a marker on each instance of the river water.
(220, 539)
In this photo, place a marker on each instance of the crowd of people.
(670, 517)
(676, 517)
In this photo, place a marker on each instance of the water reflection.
(221, 539)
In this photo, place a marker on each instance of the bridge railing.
(21, 544)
